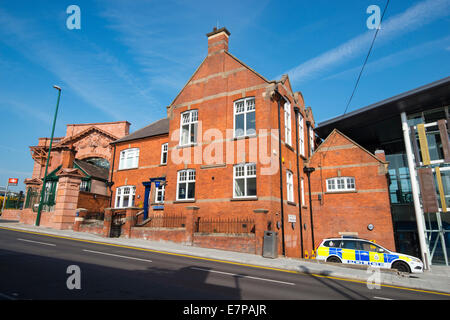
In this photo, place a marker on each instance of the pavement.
(437, 279)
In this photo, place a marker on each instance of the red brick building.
(232, 152)
(140, 161)
(350, 193)
(223, 152)
(84, 154)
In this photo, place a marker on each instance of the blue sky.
(131, 58)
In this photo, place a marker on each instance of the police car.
(364, 252)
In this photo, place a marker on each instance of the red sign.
(13, 181)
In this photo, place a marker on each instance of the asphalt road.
(35, 267)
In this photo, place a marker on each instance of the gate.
(117, 220)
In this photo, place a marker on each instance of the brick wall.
(92, 202)
(243, 243)
(351, 211)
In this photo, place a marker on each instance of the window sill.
(184, 201)
(186, 145)
(289, 147)
(292, 203)
(245, 137)
(125, 169)
(341, 192)
(245, 199)
(162, 164)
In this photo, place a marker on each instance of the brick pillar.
(66, 198)
(260, 227)
(79, 218)
(191, 213)
(107, 220)
(130, 221)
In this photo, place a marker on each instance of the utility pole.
(4, 197)
(44, 182)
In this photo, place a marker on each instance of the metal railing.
(225, 225)
(165, 221)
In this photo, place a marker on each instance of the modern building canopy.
(363, 122)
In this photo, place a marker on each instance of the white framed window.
(340, 184)
(244, 180)
(186, 185)
(302, 182)
(164, 153)
(160, 193)
(188, 125)
(129, 159)
(244, 117)
(301, 134)
(311, 139)
(125, 196)
(288, 123)
(290, 186)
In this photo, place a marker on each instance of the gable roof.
(204, 60)
(83, 133)
(156, 128)
(336, 131)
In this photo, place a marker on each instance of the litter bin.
(270, 244)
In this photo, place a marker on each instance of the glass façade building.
(413, 130)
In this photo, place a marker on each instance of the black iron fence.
(225, 225)
(94, 216)
(165, 221)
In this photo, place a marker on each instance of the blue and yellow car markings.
(360, 256)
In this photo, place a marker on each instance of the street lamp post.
(308, 172)
(44, 182)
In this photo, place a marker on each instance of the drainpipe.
(111, 183)
(415, 191)
(279, 97)
(297, 111)
(308, 172)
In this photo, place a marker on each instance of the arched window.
(98, 162)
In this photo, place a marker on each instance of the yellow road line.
(224, 261)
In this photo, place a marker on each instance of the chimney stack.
(380, 155)
(218, 40)
(68, 156)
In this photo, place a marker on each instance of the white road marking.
(243, 276)
(116, 255)
(44, 243)
(382, 298)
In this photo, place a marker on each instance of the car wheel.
(334, 260)
(401, 266)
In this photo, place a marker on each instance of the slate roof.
(93, 170)
(156, 128)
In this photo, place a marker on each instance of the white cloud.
(91, 72)
(413, 18)
(395, 58)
